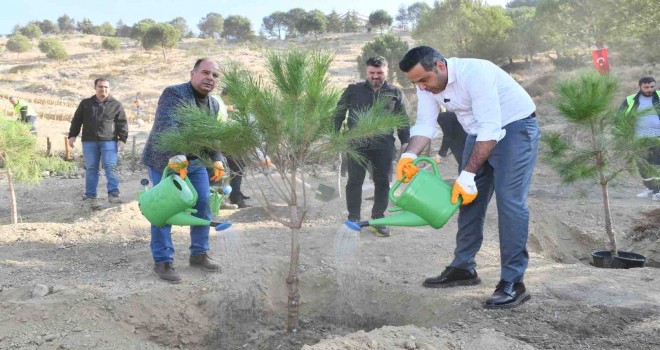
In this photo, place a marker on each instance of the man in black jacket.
(453, 137)
(378, 152)
(104, 131)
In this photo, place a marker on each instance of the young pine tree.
(288, 115)
(603, 146)
(21, 160)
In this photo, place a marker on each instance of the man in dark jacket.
(453, 137)
(378, 152)
(203, 79)
(104, 131)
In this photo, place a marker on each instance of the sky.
(130, 11)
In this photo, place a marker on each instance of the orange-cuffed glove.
(218, 171)
(464, 187)
(266, 162)
(405, 169)
(179, 164)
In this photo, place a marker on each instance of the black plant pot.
(625, 260)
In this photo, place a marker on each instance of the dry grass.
(132, 70)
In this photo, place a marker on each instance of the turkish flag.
(600, 60)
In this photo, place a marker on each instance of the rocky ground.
(76, 278)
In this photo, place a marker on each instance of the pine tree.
(21, 160)
(290, 118)
(603, 145)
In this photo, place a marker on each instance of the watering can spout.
(405, 218)
(185, 219)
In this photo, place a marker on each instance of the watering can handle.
(166, 172)
(417, 160)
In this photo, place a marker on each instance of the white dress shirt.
(484, 97)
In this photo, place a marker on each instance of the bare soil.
(75, 278)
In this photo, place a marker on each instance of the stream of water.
(347, 253)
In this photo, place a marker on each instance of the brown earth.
(73, 278)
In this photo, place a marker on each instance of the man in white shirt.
(499, 156)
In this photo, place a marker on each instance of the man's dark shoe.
(93, 202)
(240, 204)
(225, 205)
(166, 272)
(507, 295)
(381, 231)
(452, 277)
(204, 262)
(114, 198)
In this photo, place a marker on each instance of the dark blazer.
(171, 98)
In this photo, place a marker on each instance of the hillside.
(73, 278)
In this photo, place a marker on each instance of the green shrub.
(19, 43)
(111, 44)
(58, 53)
(48, 44)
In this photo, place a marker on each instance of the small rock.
(372, 344)
(50, 337)
(410, 345)
(486, 331)
(39, 291)
(387, 259)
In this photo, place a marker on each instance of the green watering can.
(425, 201)
(172, 202)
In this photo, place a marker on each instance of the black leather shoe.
(240, 203)
(452, 277)
(507, 295)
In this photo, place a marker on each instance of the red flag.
(600, 60)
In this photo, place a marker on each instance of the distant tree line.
(469, 28)
(463, 28)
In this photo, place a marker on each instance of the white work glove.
(465, 187)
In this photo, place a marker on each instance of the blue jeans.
(508, 173)
(162, 248)
(93, 153)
